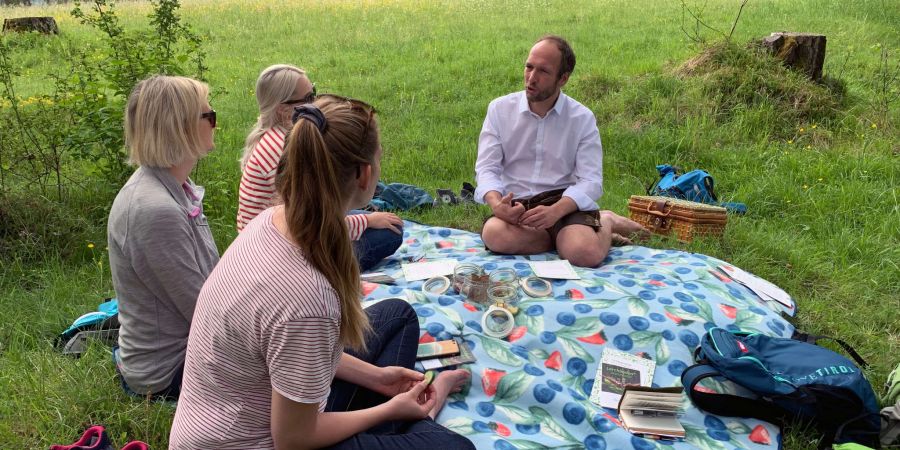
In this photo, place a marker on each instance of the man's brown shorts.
(588, 218)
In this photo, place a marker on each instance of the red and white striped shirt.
(257, 188)
(265, 319)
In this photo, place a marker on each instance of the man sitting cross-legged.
(540, 168)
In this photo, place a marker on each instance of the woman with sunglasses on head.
(160, 246)
(279, 89)
(266, 366)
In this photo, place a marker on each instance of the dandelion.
(90, 245)
(813, 126)
(805, 187)
(808, 147)
(790, 142)
(820, 179)
(802, 130)
(874, 126)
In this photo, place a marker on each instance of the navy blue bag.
(782, 379)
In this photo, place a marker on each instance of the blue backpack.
(696, 186)
(102, 325)
(783, 379)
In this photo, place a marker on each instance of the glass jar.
(463, 271)
(504, 276)
(504, 295)
(475, 288)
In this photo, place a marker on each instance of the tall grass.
(820, 178)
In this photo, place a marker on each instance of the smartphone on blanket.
(437, 349)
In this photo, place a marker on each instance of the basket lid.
(699, 207)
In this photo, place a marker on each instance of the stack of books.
(448, 353)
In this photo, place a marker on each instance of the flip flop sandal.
(467, 194)
(446, 196)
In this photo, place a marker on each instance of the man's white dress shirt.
(523, 153)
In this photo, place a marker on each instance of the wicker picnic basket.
(686, 220)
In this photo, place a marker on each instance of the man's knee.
(496, 237)
(584, 257)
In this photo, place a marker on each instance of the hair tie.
(311, 113)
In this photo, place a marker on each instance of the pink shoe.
(94, 438)
(136, 445)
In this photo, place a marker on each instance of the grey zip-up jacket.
(160, 253)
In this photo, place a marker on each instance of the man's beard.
(539, 96)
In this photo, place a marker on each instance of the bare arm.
(301, 426)
(389, 381)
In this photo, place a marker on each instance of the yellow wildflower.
(805, 187)
(820, 179)
(809, 147)
(90, 245)
(801, 129)
(874, 126)
(790, 141)
(813, 126)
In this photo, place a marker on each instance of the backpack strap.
(708, 182)
(726, 404)
(814, 339)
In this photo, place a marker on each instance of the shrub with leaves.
(57, 145)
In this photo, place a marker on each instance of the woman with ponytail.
(266, 364)
(279, 89)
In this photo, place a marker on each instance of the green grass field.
(819, 168)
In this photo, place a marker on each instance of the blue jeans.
(393, 342)
(374, 245)
(170, 393)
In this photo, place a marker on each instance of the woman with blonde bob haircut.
(266, 366)
(160, 246)
(279, 89)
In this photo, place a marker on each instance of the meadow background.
(817, 165)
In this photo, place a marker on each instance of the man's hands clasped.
(539, 217)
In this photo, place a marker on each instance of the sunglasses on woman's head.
(309, 98)
(210, 116)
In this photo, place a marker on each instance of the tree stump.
(802, 52)
(45, 25)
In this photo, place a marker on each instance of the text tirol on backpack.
(781, 379)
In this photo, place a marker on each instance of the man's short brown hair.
(567, 56)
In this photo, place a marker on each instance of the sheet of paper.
(555, 270)
(764, 289)
(426, 270)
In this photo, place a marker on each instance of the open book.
(652, 412)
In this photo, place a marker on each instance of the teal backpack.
(695, 186)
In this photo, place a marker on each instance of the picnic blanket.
(530, 390)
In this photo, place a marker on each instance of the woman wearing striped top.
(278, 90)
(266, 366)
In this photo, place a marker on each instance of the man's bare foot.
(626, 227)
(448, 382)
(618, 240)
